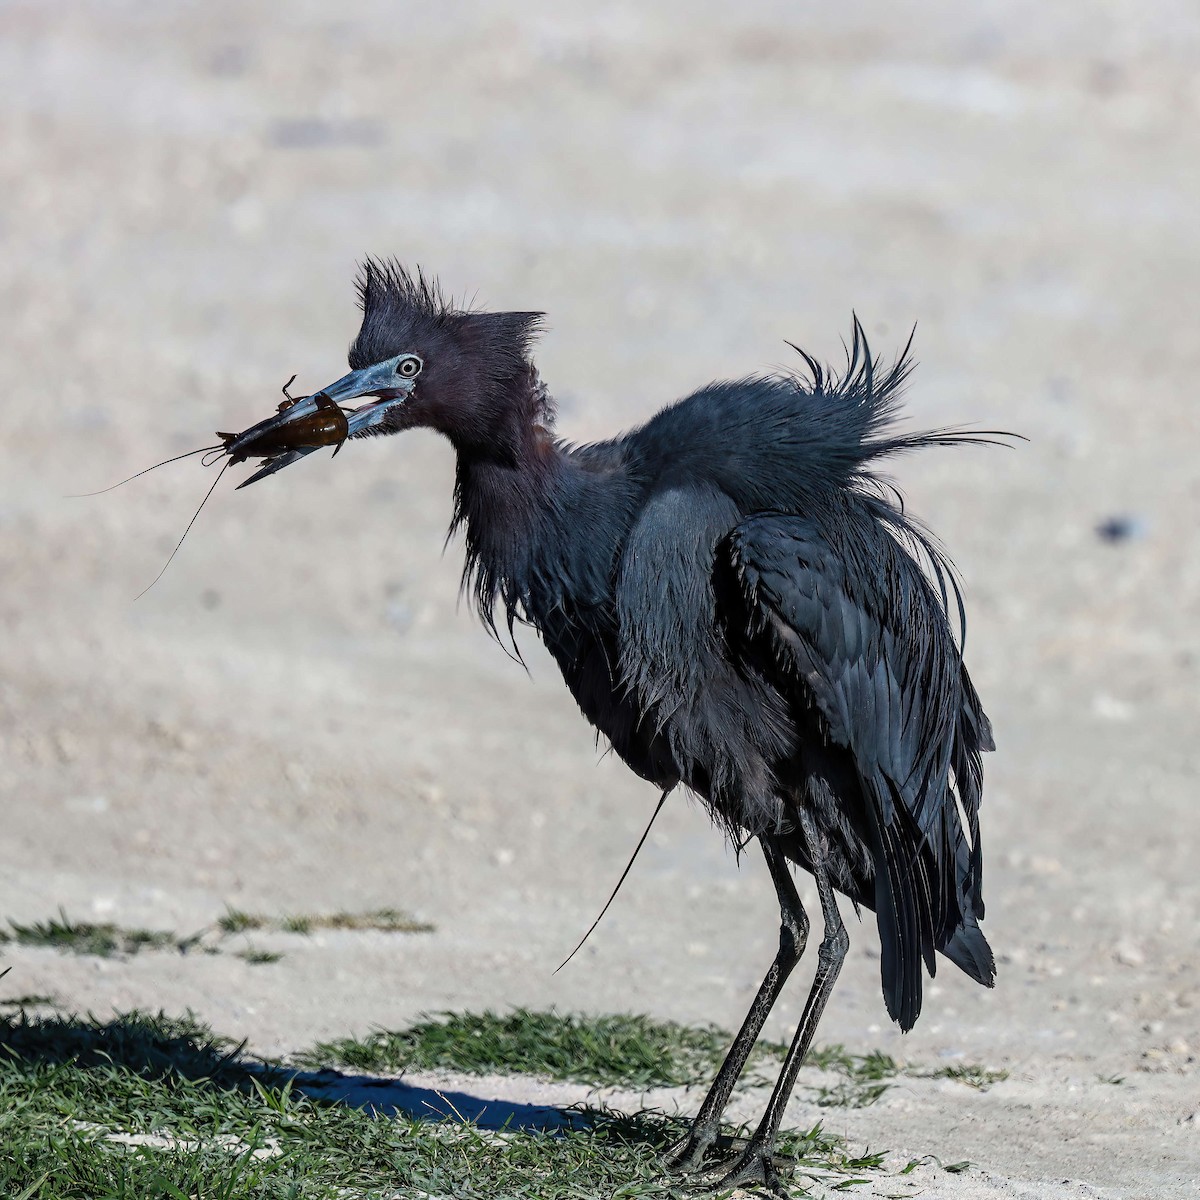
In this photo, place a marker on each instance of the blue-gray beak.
(323, 419)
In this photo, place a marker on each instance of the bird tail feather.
(968, 950)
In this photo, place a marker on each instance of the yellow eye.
(408, 367)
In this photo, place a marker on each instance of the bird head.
(418, 360)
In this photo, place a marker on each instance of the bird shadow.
(161, 1047)
(389, 1097)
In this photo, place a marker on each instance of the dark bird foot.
(687, 1157)
(757, 1169)
(739, 1163)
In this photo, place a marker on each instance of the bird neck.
(505, 495)
(543, 522)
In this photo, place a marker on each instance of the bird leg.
(756, 1165)
(793, 936)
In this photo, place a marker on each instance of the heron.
(740, 605)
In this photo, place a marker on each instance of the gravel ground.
(297, 718)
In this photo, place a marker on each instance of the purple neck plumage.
(503, 495)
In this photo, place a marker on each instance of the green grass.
(82, 937)
(850, 1094)
(108, 940)
(954, 1168)
(971, 1074)
(623, 1050)
(145, 1107)
(149, 1046)
(862, 1067)
(389, 920)
(257, 957)
(633, 1051)
(867, 1076)
(236, 921)
(620, 1050)
(31, 1000)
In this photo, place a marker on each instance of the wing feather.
(852, 628)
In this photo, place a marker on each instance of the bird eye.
(408, 367)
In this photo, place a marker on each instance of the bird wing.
(722, 729)
(847, 624)
(665, 608)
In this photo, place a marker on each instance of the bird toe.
(694, 1153)
(758, 1168)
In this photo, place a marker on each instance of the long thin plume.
(628, 866)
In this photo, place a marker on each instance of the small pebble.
(1129, 955)
(1109, 708)
(1122, 527)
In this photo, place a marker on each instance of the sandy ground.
(298, 719)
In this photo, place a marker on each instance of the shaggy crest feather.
(403, 308)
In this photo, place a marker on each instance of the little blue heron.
(738, 605)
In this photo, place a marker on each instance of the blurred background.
(298, 717)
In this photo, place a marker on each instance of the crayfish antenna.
(165, 461)
(187, 530)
